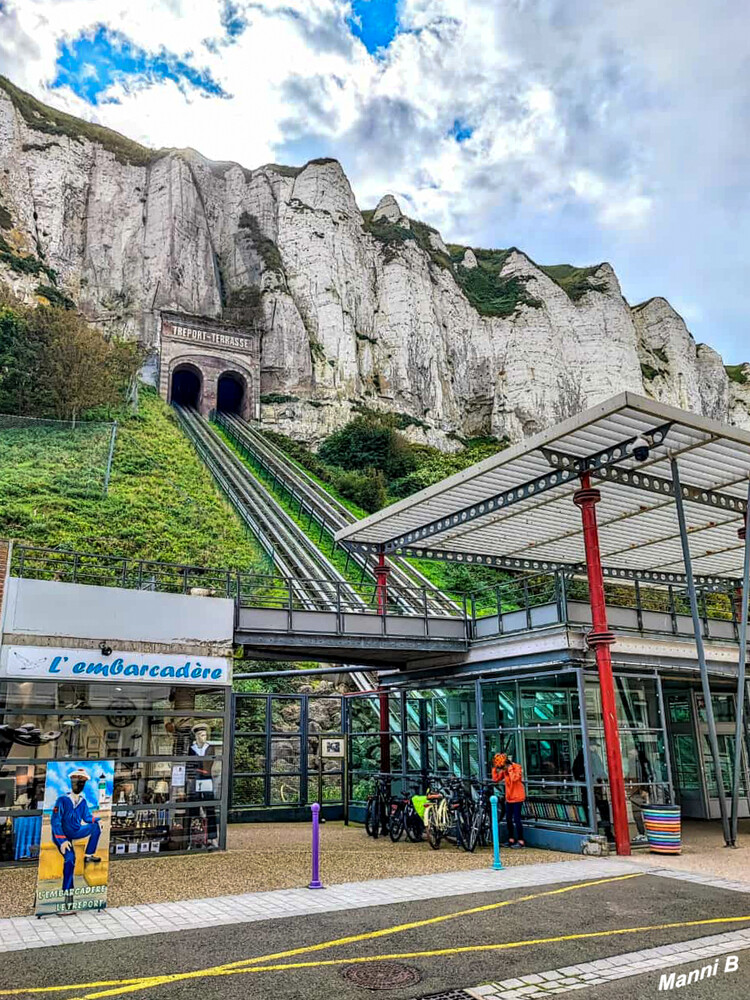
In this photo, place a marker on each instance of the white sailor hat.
(80, 772)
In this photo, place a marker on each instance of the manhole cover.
(380, 975)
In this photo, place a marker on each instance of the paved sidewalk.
(19, 933)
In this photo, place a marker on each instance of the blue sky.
(92, 63)
(579, 132)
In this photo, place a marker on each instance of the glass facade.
(537, 721)
(277, 758)
(159, 803)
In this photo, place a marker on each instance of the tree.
(53, 364)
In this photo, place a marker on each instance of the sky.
(577, 131)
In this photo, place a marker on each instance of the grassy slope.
(162, 504)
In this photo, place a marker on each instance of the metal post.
(740, 707)
(345, 731)
(589, 792)
(381, 578)
(496, 862)
(600, 639)
(107, 474)
(315, 882)
(385, 733)
(480, 730)
(700, 649)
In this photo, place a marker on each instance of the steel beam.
(569, 469)
(527, 564)
(644, 480)
(516, 563)
(739, 734)
(679, 496)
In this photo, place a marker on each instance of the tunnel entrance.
(230, 393)
(186, 386)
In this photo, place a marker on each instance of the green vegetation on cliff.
(49, 121)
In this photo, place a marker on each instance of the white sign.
(209, 337)
(124, 666)
(334, 747)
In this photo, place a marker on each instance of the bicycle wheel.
(463, 829)
(434, 831)
(397, 824)
(414, 825)
(475, 832)
(372, 819)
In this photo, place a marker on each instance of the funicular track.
(332, 514)
(294, 556)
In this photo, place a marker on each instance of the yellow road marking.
(132, 985)
(462, 949)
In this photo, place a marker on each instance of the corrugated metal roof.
(637, 519)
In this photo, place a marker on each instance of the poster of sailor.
(74, 852)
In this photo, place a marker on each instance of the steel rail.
(331, 509)
(293, 553)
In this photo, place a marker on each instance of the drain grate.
(381, 975)
(449, 995)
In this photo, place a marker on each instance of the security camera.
(106, 650)
(641, 449)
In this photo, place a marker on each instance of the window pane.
(250, 714)
(248, 792)
(498, 705)
(109, 697)
(364, 714)
(285, 754)
(285, 791)
(286, 715)
(324, 715)
(331, 789)
(250, 753)
(550, 758)
(21, 786)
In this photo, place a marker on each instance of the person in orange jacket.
(506, 770)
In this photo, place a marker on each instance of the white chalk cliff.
(353, 309)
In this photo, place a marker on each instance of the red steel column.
(600, 639)
(381, 576)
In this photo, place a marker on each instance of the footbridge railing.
(267, 603)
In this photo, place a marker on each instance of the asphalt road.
(637, 902)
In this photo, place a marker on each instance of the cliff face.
(367, 309)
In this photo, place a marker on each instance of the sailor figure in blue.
(72, 820)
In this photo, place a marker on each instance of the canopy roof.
(515, 509)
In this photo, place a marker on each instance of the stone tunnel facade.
(204, 362)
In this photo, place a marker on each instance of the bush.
(366, 443)
(366, 489)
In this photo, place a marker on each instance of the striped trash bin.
(663, 829)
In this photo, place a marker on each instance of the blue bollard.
(315, 883)
(497, 863)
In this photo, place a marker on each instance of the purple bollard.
(315, 883)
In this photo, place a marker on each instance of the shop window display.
(167, 744)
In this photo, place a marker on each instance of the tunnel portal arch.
(230, 392)
(186, 385)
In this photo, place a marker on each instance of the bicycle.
(446, 816)
(480, 831)
(377, 810)
(404, 817)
